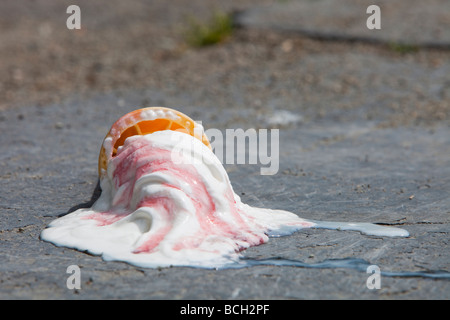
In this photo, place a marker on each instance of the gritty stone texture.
(368, 140)
(342, 171)
(402, 22)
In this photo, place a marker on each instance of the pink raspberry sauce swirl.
(167, 200)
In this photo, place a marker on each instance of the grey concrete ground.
(402, 22)
(368, 140)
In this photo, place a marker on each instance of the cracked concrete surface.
(402, 22)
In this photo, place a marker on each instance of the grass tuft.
(403, 48)
(216, 30)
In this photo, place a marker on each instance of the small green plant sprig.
(217, 29)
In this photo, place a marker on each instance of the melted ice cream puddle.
(363, 227)
(167, 201)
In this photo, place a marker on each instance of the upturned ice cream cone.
(145, 121)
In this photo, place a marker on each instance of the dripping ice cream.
(166, 200)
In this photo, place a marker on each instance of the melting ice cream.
(167, 200)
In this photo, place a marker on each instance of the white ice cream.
(167, 200)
